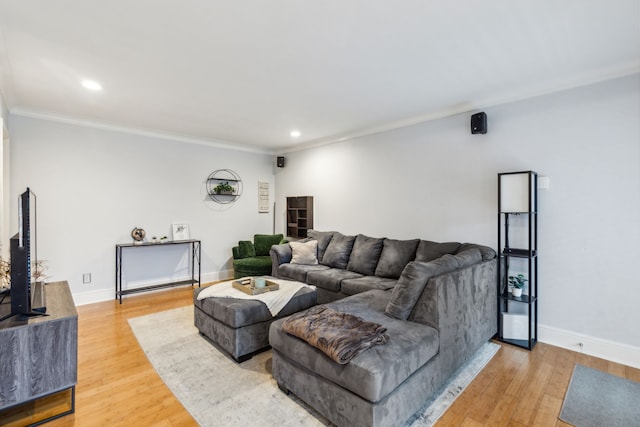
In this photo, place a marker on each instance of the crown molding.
(603, 75)
(43, 115)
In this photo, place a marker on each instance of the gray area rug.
(596, 399)
(219, 392)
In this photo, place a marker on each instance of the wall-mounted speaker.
(479, 123)
(280, 161)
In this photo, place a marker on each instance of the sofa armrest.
(462, 306)
(280, 254)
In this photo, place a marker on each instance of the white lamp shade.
(516, 192)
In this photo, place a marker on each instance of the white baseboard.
(616, 352)
(89, 297)
(100, 295)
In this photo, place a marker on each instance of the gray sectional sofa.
(437, 301)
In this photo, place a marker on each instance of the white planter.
(516, 292)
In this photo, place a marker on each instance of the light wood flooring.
(117, 386)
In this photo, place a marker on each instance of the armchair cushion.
(263, 243)
(246, 249)
(252, 266)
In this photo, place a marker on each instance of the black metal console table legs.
(196, 255)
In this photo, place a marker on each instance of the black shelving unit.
(518, 254)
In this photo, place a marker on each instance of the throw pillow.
(468, 257)
(246, 249)
(412, 282)
(323, 238)
(395, 255)
(304, 252)
(428, 251)
(338, 251)
(364, 255)
(486, 251)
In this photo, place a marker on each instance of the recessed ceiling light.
(91, 85)
(294, 133)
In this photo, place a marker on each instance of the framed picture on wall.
(180, 231)
(263, 197)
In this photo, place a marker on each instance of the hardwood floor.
(117, 386)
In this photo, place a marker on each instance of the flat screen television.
(27, 297)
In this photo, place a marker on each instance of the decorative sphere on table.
(138, 234)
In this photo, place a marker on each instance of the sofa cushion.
(304, 253)
(366, 283)
(374, 373)
(246, 249)
(428, 251)
(323, 238)
(298, 271)
(263, 242)
(487, 252)
(330, 279)
(365, 254)
(468, 257)
(412, 282)
(395, 255)
(338, 251)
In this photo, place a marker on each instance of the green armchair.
(252, 258)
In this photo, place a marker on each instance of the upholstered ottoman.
(241, 326)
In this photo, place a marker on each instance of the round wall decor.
(224, 186)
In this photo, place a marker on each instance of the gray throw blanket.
(340, 336)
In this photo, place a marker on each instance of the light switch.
(543, 182)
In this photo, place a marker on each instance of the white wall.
(438, 182)
(94, 186)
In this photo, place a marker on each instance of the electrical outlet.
(86, 278)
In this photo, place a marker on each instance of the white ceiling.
(246, 72)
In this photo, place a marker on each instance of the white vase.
(516, 292)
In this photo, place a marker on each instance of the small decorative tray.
(246, 286)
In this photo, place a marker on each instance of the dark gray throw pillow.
(323, 238)
(428, 251)
(468, 257)
(337, 253)
(395, 255)
(412, 282)
(486, 251)
(365, 254)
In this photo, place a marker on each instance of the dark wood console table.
(39, 354)
(195, 259)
